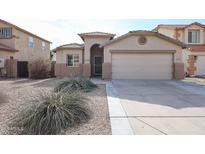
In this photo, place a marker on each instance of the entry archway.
(96, 60)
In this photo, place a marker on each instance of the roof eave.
(25, 31)
(82, 35)
(143, 33)
(9, 50)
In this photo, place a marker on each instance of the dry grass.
(39, 69)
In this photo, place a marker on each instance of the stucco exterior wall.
(202, 39)
(61, 69)
(61, 55)
(25, 52)
(6, 54)
(153, 43)
(9, 42)
(19, 41)
(186, 54)
(89, 42)
(191, 62)
(167, 31)
(183, 33)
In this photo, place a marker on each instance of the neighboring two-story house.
(193, 36)
(17, 48)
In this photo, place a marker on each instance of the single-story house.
(134, 55)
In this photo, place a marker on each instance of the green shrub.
(39, 69)
(56, 112)
(76, 83)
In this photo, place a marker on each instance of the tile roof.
(96, 34)
(23, 30)
(178, 26)
(144, 32)
(70, 46)
(7, 48)
(197, 47)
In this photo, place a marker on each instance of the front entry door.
(98, 65)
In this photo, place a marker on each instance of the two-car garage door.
(142, 66)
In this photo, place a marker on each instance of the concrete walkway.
(119, 122)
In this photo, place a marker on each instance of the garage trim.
(145, 52)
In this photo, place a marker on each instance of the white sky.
(65, 31)
(53, 19)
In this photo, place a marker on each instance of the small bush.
(3, 98)
(39, 69)
(56, 112)
(76, 83)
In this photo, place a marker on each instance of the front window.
(5, 32)
(73, 60)
(43, 45)
(193, 36)
(30, 42)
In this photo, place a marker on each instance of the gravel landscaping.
(21, 91)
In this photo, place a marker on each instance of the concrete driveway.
(162, 107)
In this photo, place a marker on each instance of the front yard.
(21, 91)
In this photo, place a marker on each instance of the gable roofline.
(69, 46)
(148, 33)
(4, 47)
(96, 33)
(23, 30)
(195, 23)
(182, 26)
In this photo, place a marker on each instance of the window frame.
(43, 47)
(196, 37)
(75, 60)
(7, 32)
(30, 44)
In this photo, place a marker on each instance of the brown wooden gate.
(11, 68)
(22, 69)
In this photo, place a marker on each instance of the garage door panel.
(200, 65)
(142, 66)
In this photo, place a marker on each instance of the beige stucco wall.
(61, 55)
(89, 42)
(27, 54)
(153, 43)
(185, 57)
(171, 32)
(6, 54)
(9, 42)
(20, 42)
(167, 31)
(202, 40)
(183, 37)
